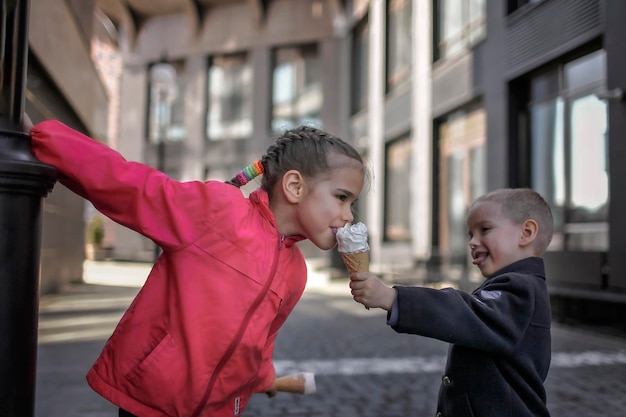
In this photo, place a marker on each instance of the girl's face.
(494, 239)
(328, 199)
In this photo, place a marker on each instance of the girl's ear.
(293, 186)
(529, 232)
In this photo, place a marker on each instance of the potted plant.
(95, 237)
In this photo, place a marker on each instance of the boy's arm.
(132, 194)
(494, 319)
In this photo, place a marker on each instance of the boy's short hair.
(521, 204)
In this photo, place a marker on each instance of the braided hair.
(304, 149)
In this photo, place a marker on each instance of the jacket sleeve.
(135, 195)
(267, 373)
(493, 319)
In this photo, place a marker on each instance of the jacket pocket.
(160, 379)
(160, 344)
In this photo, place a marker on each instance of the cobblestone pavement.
(362, 367)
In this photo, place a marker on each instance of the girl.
(198, 338)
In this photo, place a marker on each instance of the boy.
(499, 334)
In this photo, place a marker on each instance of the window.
(297, 90)
(360, 65)
(460, 24)
(230, 97)
(462, 139)
(513, 5)
(166, 120)
(397, 204)
(568, 126)
(399, 43)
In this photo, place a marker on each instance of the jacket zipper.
(239, 335)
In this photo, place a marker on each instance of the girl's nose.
(348, 216)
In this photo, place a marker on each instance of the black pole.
(24, 182)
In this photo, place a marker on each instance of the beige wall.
(59, 42)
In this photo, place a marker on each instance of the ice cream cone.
(356, 261)
(298, 383)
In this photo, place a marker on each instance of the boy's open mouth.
(479, 257)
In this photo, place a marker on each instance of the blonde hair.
(521, 204)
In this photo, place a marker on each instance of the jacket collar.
(261, 201)
(530, 266)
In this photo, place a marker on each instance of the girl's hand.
(272, 392)
(27, 124)
(368, 290)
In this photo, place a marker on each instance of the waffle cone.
(298, 383)
(356, 261)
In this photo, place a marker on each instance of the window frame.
(359, 98)
(392, 181)
(401, 74)
(177, 130)
(471, 32)
(567, 228)
(303, 91)
(247, 98)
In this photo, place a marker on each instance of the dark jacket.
(500, 341)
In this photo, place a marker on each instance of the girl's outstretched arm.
(132, 194)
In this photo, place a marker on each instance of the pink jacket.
(198, 338)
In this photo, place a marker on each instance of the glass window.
(588, 168)
(456, 206)
(569, 154)
(297, 88)
(398, 164)
(585, 72)
(399, 44)
(462, 138)
(513, 5)
(360, 65)
(230, 98)
(460, 25)
(478, 162)
(548, 155)
(166, 117)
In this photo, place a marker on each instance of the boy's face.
(494, 239)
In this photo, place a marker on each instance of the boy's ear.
(293, 185)
(529, 232)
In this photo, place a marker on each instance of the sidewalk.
(364, 369)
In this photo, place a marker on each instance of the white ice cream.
(352, 238)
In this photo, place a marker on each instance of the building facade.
(446, 99)
(525, 93)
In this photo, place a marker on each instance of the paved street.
(362, 367)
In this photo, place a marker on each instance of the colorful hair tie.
(251, 171)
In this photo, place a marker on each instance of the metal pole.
(24, 181)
